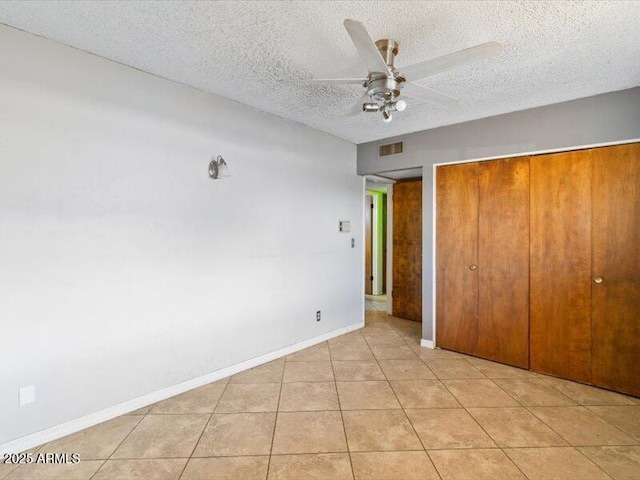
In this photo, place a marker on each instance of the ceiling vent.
(390, 149)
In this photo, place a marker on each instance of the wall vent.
(390, 149)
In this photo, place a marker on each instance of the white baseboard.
(427, 343)
(73, 426)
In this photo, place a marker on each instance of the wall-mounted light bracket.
(218, 168)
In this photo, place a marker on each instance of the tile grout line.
(466, 409)
(528, 408)
(498, 446)
(119, 444)
(461, 449)
(545, 377)
(204, 429)
(407, 416)
(275, 423)
(99, 468)
(571, 447)
(197, 442)
(36, 451)
(611, 424)
(567, 447)
(11, 470)
(471, 416)
(516, 399)
(557, 390)
(344, 428)
(439, 380)
(569, 444)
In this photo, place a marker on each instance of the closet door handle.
(473, 267)
(598, 280)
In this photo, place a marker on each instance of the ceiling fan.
(385, 83)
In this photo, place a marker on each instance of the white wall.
(602, 119)
(123, 268)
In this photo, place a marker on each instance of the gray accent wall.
(602, 119)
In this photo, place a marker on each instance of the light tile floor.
(371, 404)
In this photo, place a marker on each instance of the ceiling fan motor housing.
(388, 49)
(382, 87)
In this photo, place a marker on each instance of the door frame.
(378, 242)
(387, 184)
(369, 243)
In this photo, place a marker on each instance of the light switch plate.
(345, 225)
(27, 395)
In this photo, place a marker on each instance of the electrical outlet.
(27, 395)
(318, 316)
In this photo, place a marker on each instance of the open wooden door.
(407, 250)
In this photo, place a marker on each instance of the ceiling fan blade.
(338, 80)
(368, 51)
(355, 110)
(452, 60)
(419, 92)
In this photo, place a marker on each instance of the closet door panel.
(456, 256)
(560, 281)
(503, 261)
(616, 260)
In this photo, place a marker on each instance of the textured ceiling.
(259, 53)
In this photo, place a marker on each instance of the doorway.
(375, 275)
(398, 289)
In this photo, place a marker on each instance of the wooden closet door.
(616, 260)
(407, 250)
(503, 261)
(560, 265)
(457, 257)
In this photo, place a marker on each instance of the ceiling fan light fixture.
(386, 115)
(370, 107)
(400, 105)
